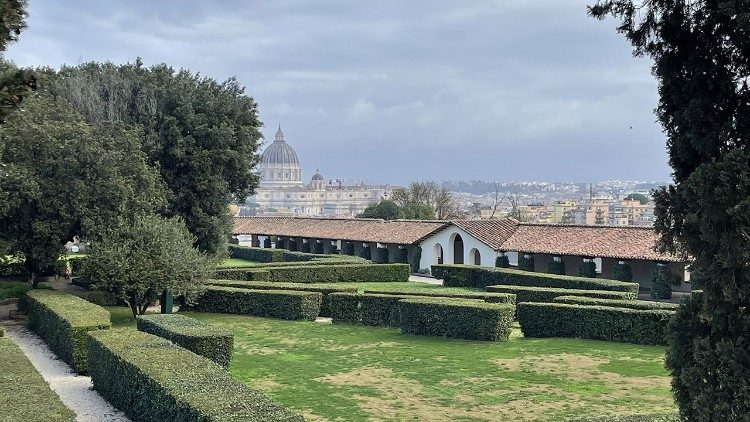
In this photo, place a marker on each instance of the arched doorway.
(475, 257)
(458, 249)
(437, 253)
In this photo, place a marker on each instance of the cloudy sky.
(393, 91)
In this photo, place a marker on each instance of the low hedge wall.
(14, 269)
(246, 274)
(473, 276)
(197, 336)
(545, 294)
(456, 318)
(594, 322)
(62, 321)
(256, 254)
(381, 255)
(632, 304)
(283, 304)
(325, 307)
(345, 308)
(341, 273)
(485, 296)
(26, 396)
(152, 379)
(379, 310)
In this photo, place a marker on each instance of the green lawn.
(234, 262)
(340, 372)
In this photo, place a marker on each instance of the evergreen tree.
(15, 84)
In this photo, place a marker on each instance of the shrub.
(401, 256)
(101, 298)
(284, 304)
(525, 263)
(380, 310)
(292, 245)
(247, 274)
(416, 259)
(556, 267)
(381, 255)
(473, 276)
(347, 248)
(456, 318)
(594, 322)
(267, 242)
(256, 254)
(76, 265)
(324, 289)
(319, 248)
(502, 261)
(662, 280)
(149, 378)
(62, 321)
(615, 303)
(365, 252)
(587, 269)
(197, 336)
(14, 269)
(345, 308)
(305, 247)
(341, 273)
(485, 296)
(622, 272)
(13, 289)
(546, 294)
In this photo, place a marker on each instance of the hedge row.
(25, 394)
(245, 273)
(152, 379)
(485, 296)
(381, 255)
(473, 276)
(341, 273)
(545, 294)
(456, 318)
(197, 336)
(283, 304)
(632, 304)
(62, 321)
(594, 322)
(13, 289)
(14, 269)
(324, 289)
(256, 254)
(380, 310)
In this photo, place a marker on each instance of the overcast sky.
(393, 91)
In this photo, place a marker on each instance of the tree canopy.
(643, 199)
(425, 200)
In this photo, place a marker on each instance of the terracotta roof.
(493, 233)
(403, 232)
(595, 241)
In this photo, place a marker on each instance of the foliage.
(347, 248)
(701, 52)
(594, 322)
(502, 261)
(305, 247)
(416, 259)
(247, 274)
(284, 304)
(256, 254)
(267, 242)
(556, 267)
(599, 217)
(341, 273)
(14, 269)
(13, 289)
(643, 199)
(381, 256)
(319, 248)
(139, 260)
(15, 86)
(365, 252)
(401, 256)
(456, 318)
(12, 21)
(615, 303)
(525, 262)
(197, 336)
(62, 321)
(150, 378)
(425, 201)
(548, 294)
(588, 269)
(662, 280)
(448, 292)
(622, 271)
(385, 209)
(34, 400)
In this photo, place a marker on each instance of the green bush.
(416, 259)
(365, 253)
(76, 264)
(283, 304)
(197, 336)
(324, 289)
(305, 247)
(101, 298)
(615, 303)
(594, 322)
(13, 289)
(401, 256)
(347, 248)
(62, 321)
(380, 310)
(26, 396)
(456, 318)
(662, 280)
(381, 255)
(319, 248)
(525, 263)
(292, 245)
(256, 254)
(485, 296)
(622, 272)
(14, 269)
(152, 379)
(587, 269)
(341, 273)
(546, 294)
(502, 261)
(473, 276)
(245, 273)
(556, 267)
(267, 242)
(345, 308)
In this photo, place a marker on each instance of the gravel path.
(74, 390)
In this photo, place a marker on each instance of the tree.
(701, 54)
(643, 199)
(387, 210)
(137, 260)
(201, 134)
(445, 204)
(61, 177)
(599, 217)
(15, 84)
(417, 211)
(419, 195)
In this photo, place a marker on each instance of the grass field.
(339, 372)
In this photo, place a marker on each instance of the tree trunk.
(134, 304)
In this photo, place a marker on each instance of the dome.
(279, 152)
(317, 175)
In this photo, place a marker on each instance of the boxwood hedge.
(256, 254)
(245, 273)
(486, 296)
(284, 304)
(632, 304)
(152, 379)
(401, 256)
(594, 322)
(473, 276)
(456, 318)
(341, 273)
(345, 308)
(197, 336)
(62, 321)
(380, 310)
(381, 255)
(545, 294)
(14, 269)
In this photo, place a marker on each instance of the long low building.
(475, 242)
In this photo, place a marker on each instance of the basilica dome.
(279, 152)
(279, 166)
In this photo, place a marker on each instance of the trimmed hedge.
(365, 253)
(594, 322)
(416, 259)
(502, 261)
(14, 269)
(345, 308)
(319, 248)
(546, 294)
(2, 331)
(197, 336)
(401, 256)
(62, 321)
(456, 318)
(341, 273)
(13, 289)
(526, 263)
(245, 273)
(556, 267)
(256, 254)
(379, 310)
(632, 304)
(325, 308)
(306, 247)
(662, 280)
(267, 242)
(152, 379)
(381, 255)
(485, 296)
(347, 248)
(473, 276)
(283, 304)
(587, 269)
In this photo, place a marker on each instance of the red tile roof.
(493, 233)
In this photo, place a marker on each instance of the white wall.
(444, 238)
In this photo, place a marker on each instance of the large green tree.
(15, 84)
(201, 134)
(701, 54)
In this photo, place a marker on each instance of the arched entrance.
(437, 253)
(458, 249)
(475, 257)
